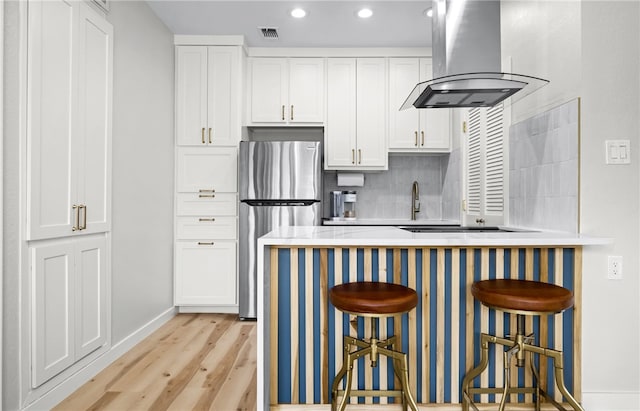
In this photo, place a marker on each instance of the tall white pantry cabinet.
(68, 190)
(208, 98)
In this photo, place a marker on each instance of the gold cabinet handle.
(416, 144)
(205, 243)
(292, 112)
(76, 211)
(353, 156)
(422, 134)
(83, 207)
(203, 190)
(206, 219)
(203, 142)
(359, 156)
(206, 195)
(283, 112)
(209, 135)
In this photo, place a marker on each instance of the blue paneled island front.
(300, 340)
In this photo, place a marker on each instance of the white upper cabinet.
(286, 91)
(355, 132)
(70, 50)
(413, 130)
(208, 95)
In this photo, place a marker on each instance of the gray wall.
(387, 194)
(143, 102)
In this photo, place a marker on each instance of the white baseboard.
(611, 401)
(71, 384)
(215, 309)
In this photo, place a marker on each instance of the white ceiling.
(329, 23)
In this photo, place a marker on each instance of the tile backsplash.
(387, 194)
(543, 170)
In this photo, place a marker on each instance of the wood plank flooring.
(193, 362)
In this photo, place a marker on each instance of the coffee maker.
(343, 205)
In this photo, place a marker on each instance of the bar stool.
(520, 297)
(374, 300)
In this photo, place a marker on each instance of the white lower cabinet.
(69, 300)
(206, 272)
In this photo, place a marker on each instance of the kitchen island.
(300, 333)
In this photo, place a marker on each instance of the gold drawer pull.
(84, 216)
(204, 243)
(206, 195)
(206, 219)
(206, 191)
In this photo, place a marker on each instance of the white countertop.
(389, 221)
(391, 236)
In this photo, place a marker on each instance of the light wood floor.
(194, 362)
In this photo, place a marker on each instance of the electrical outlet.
(614, 267)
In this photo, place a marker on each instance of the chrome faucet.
(415, 197)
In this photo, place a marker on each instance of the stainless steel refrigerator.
(280, 185)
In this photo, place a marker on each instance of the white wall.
(590, 50)
(143, 96)
(610, 202)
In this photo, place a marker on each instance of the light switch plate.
(618, 151)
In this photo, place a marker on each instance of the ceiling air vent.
(270, 33)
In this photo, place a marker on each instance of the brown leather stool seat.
(373, 299)
(520, 297)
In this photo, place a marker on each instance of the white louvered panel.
(494, 192)
(474, 163)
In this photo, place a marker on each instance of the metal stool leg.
(471, 375)
(508, 355)
(559, 376)
(338, 378)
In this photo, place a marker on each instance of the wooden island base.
(441, 336)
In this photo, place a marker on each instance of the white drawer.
(205, 204)
(223, 228)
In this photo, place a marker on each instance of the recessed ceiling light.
(428, 12)
(298, 13)
(365, 13)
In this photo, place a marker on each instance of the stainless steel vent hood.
(467, 59)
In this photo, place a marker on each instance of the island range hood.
(467, 59)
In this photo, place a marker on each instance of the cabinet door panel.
(221, 204)
(192, 228)
(205, 273)
(404, 132)
(51, 112)
(371, 110)
(53, 310)
(223, 96)
(207, 169)
(340, 130)
(91, 287)
(268, 90)
(94, 109)
(306, 90)
(191, 96)
(436, 124)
